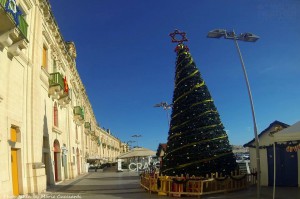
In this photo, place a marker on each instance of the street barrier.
(196, 186)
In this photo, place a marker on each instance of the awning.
(94, 157)
(292, 133)
(137, 152)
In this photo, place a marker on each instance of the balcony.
(98, 142)
(87, 127)
(13, 26)
(56, 85)
(93, 133)
(78, 115)
(65, 99)
(94, 138)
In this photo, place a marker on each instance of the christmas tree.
(197, 142)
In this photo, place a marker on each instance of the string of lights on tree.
(197, 142)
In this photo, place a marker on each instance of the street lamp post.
(129, 143)
(249, 37)
(166, 107)
(136, 136)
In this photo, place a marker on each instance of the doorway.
(78, 161)
(56, 162)
(286, 167)
(15, 171)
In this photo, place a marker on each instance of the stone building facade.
(48, 129)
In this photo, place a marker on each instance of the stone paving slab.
(125, 185)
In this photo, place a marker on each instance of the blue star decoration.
(177, 32)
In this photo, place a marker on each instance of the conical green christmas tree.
(197, 142)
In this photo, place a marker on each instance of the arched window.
(55, 115)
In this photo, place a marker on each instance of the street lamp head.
(165, 105)
(160, 104)
(168, 106)
(248, 37)
(217, 33)
(136, 136)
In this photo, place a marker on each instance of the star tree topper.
(179, 41)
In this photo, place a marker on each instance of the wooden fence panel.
(186, 185)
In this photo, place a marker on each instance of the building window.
(44, 63)
(76, 130)
(14, 134)
(55, 115)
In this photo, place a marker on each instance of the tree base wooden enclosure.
(178, 186)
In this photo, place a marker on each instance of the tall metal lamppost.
(248, 37)
(129, 143)
(166, 107)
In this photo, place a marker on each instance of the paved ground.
(125, 185)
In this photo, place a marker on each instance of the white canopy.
(291, 133)
(137, 152)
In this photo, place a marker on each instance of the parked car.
(94, 166)
(105, 165)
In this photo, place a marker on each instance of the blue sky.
(126, 61)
